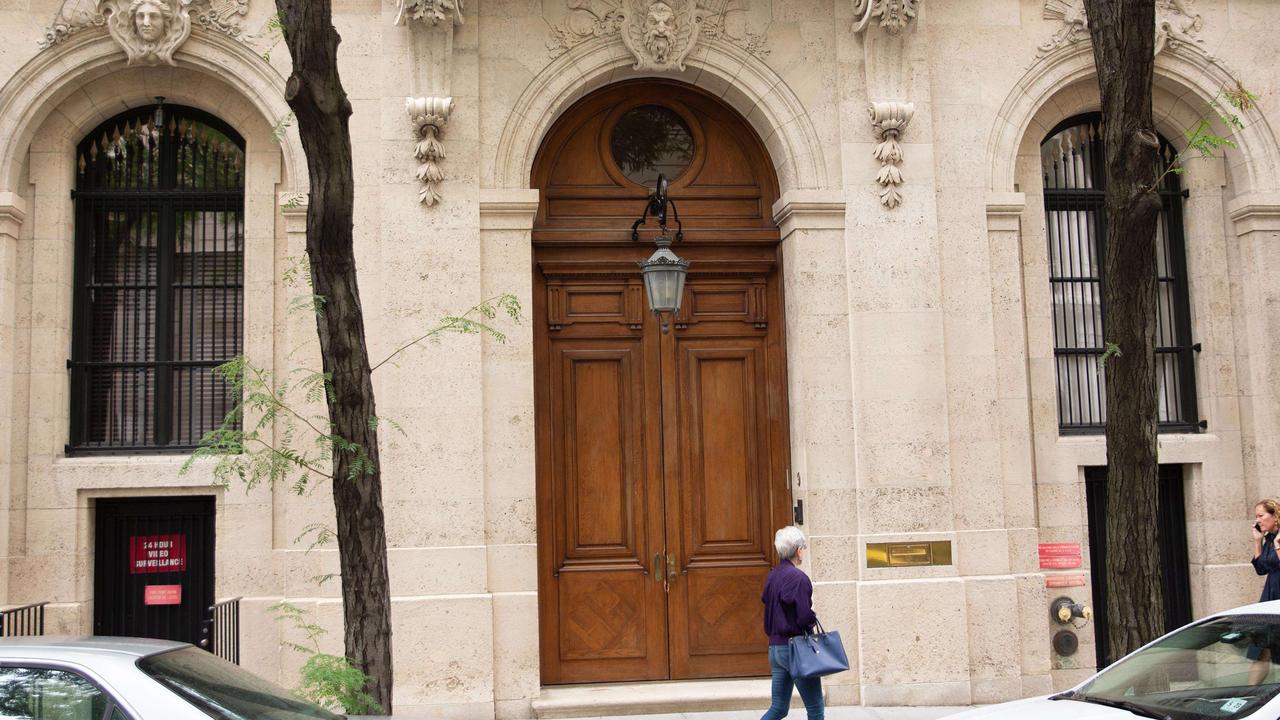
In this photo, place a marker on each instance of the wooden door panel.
(609, 611)
(727, 619)
(602, 615)
(719, 505)
(597, 481)
(722, 430)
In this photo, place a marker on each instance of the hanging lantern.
(664, 272)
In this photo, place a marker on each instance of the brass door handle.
(657, 566)
(671, 567)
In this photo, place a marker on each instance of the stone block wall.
(919, 338)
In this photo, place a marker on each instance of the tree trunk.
(315, 94)
(1123, 33)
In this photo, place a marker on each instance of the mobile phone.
(1257, 526)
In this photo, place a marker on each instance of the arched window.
(159, 268)
(1072, 162)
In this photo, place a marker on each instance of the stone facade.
(919, 328)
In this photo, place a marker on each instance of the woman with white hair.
(788, 611)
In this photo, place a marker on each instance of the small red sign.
(157, 553)
(1060, 556)
(1061, 581)
(162, 595)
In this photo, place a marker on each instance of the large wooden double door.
(662, 457)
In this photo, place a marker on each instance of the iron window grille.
(159, 278)
(1076, 224)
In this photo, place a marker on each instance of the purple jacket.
(788, 603)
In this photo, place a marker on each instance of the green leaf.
(1112, 350)
(323, 535)
(281, 127)
(334, 682)
(307, 303)
(1240, 97)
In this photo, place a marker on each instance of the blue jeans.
(810, 688)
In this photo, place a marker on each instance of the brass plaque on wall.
(908, 554)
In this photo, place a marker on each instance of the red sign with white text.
(1060, 556)
(162, 595)
(157, 553)
(1061, 581)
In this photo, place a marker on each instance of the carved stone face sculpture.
(148, 20)
(659, 35)
(149, 31)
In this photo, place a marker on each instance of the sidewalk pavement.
(797, 713)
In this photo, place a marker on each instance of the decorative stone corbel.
(431, 25)
(429, 115)
(894, 15)
(890, 119)
(429, 11)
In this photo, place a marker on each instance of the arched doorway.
(662, 458)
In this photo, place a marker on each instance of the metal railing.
(24, 620)
(222, 630)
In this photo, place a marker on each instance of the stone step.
(652, 698)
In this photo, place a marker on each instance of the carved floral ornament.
(894, 15)
(890, 119)
(149, 31)
(429, 115)
(1177, 24)
(662, 33)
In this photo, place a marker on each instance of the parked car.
(1212, 668)
(105, 678)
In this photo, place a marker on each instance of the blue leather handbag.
(817, 654)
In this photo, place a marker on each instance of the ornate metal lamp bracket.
(657, 205)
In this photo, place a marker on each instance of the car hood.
(1044, 709)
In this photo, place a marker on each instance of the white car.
(103, 678)
(1215, 668)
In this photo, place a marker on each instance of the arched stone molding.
(1186, 74)
(1175, 110)
(90, 64)
(739, 78)
(46, 108)
(1231, 281)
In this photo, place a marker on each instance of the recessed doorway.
(662, 457)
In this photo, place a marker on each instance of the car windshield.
(1222, 668)
(225, 691)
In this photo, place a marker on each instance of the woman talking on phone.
(1266, 542)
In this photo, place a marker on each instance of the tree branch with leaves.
(285, 443)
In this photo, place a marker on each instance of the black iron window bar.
(1076, 230)
(159, 276)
